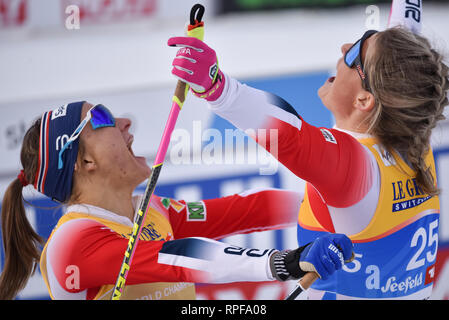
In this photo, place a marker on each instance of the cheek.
(339, 96)
(119, 157)
(345, 86)
(110, 155)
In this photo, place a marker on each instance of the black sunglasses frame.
(357, 61)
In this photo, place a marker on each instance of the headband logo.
(61, 141)
(59, 112)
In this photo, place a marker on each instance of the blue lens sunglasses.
(99, 117)
(353, 57)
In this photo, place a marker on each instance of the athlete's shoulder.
(71, 230)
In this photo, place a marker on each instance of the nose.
(123, 124)
(345, 47)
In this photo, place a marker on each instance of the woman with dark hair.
(81, 155)
(372, 176)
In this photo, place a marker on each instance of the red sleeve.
(98, 252)
(254, 210)
(335, 163)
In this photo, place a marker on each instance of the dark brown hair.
(20, 242)
(409, 82)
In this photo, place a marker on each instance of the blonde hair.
(409, 81)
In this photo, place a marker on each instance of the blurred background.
(114, 52)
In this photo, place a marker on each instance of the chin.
(324, 90)
(322, 95)
(141, 179)
(144, 174)
(142, 166)
(139, 175)
(147, 173)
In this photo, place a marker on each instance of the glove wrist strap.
(285, 264)
(215, 91)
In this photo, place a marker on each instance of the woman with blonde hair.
(372, 176)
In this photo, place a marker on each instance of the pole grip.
(180, 93)
(308, 279)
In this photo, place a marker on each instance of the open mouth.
(331, 79)
(140, 160)
(129, 145)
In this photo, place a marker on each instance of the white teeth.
(130, 150)
(130, 143)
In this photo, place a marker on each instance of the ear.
(85, 163)
(364, 101)
(89, 165)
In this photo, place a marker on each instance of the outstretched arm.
(335, 163)
(97, 252)
(249, 211)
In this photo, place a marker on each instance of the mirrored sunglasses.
(99, 117)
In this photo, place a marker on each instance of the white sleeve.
(406, 13)
(212, 261)
(250, 109)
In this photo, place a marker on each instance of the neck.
(354, 122)
(117, 201)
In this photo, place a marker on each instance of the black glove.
(327, 254)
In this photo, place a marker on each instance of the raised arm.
(335, 163)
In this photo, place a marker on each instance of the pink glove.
(196, 64)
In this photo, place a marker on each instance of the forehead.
(86, 107)
(88, 130)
